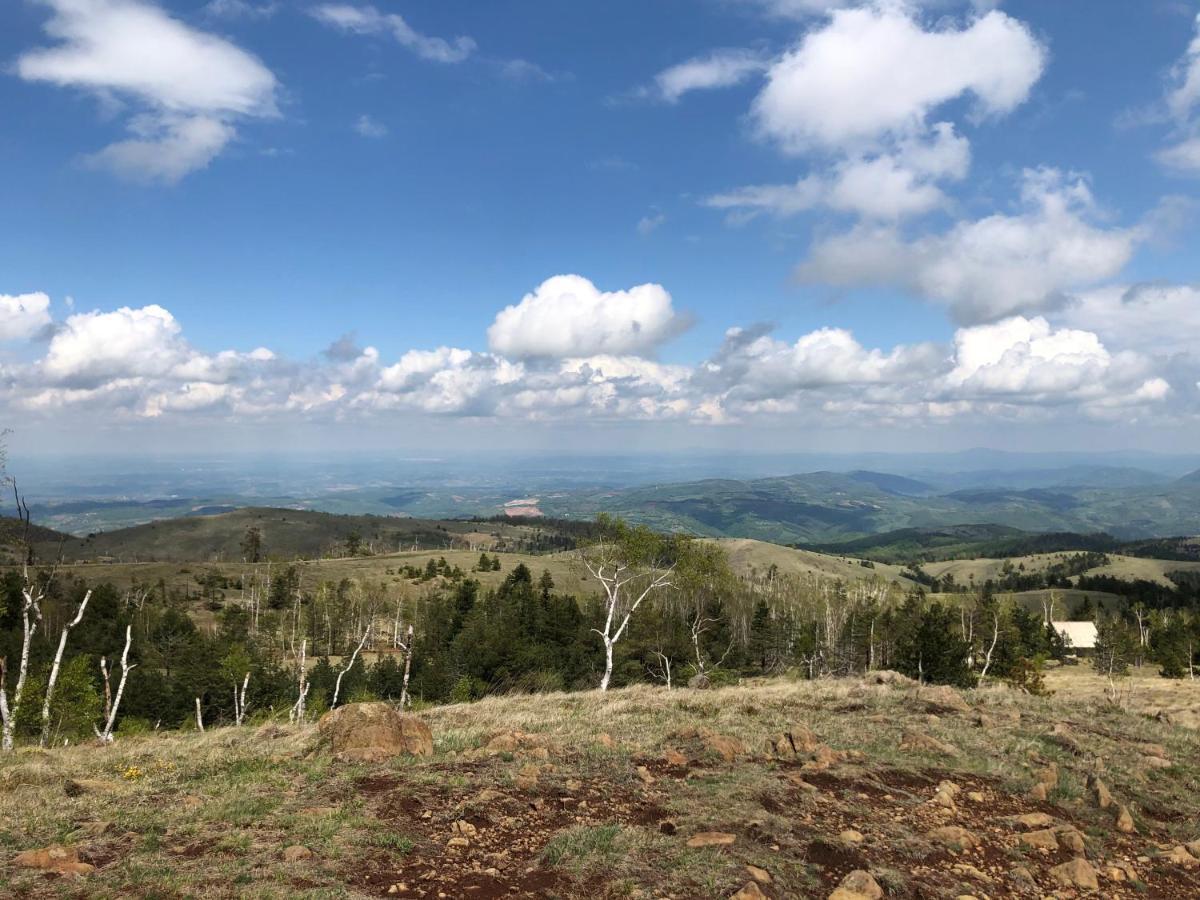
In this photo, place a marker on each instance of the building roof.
(1081, 635)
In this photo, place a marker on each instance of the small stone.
(954, 837)
(858, 885)
(1124, 821)
(458, 842)
(1039, 840)
(975, 796)
(465, 828)
(1078, 873)
(762, 876)
(1035, 820)
(711, 839)
(1179, 854)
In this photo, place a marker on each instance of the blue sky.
(285, 173)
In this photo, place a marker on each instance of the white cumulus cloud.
(190, 86)
(876, 71)
(988, 268)
(568, 316)
(24, 315)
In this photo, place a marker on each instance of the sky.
(775, 224)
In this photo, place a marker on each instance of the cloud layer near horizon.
(571, 350)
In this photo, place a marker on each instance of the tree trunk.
(54, 669)
(608, 664)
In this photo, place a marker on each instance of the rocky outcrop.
(374, 732)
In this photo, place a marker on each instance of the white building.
(1080, 636)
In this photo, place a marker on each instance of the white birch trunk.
(112, 709)
(57, 665)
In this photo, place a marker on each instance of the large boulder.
(373, 732)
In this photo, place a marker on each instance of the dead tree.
(337, 686)
(239, 700)
(987, 660)
(56, 666)
(111, 704)
(199, 717)
(297, 712)
(663, 672)
(32, 594)
(631, 565)
(407, 647)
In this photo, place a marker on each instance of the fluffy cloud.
(721, 68)
(887, 186)
(1027, 361)
(1153, 318)
(991, 267)
(568, 316)
(136, 363)
(1181, 100)
(190, 86)
(23, 316)
(369, 20)
(875, 71)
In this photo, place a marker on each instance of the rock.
(943, 698)
(464, 828)
(1065, 738)
(789, 744)
(373, 732)
(1179, 854)
(971, 872)
(674, 758)
(954, 837)
(926, 743)
(503, 743)
(711, 839)
(1078, 873)
(858, 885)
(1114, 873)
(1104, 798)
(699, 682)
(749, 891)
(1124, 821)
(850, 836)
(975, 797)
(1070, 839)
(1035, 820)
(459, 841)
(296, 853)
(1021, 875)
(728, 748)
(528, 775)
(55, 858)
(1039, 840)
(762, 876)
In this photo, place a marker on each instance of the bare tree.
(297, 712)
(239, 700)
(57, 665)
(407, 647)
(631, 564)
(199, 717)
(112, 705)
(663, 672)
(337, 686)
(33, 592)
(987, 659)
